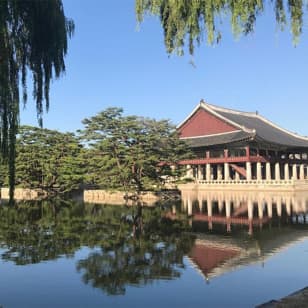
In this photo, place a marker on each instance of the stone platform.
(245, 185)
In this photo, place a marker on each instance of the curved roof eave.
(280, 145)
(207, 142)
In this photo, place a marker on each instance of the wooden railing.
(219, 160)
(240, 159)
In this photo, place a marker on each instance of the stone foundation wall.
(244, 185)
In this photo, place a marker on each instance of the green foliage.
(33, 38)
(192, 20)
(48, 159)
(125, 152)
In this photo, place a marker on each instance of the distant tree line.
(112, 151)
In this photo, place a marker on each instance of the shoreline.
(296, 299)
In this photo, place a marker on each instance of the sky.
(111, 62)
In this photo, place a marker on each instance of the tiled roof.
(265, 130)
(251, 126)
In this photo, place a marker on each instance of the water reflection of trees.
(133, 245)
(154, 250)
(134, 263)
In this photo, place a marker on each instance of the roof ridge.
(219, 108)
(215, 111)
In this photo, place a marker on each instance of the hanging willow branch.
(195, 19)
(33, 37)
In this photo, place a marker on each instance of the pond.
(209, 250)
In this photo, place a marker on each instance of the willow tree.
(188, 21)
(33, 39)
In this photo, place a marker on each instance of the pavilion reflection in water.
(271, 222)
(244, 208)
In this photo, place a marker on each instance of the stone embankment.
(22, 193)
(117, 197)
(100, 196)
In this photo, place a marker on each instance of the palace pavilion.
(231, 145)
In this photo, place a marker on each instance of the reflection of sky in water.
(57, 284)
(248, 270)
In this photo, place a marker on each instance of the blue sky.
(111, 63)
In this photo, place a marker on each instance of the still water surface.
(210, 250)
